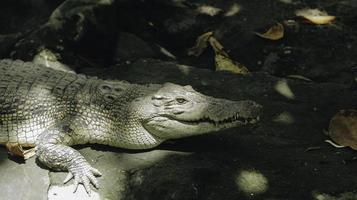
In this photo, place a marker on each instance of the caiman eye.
(181, 100)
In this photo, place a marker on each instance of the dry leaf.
(222, 60)
(224, 63)
(315, 16)
(285, 118)
(275, 32)
(216, 46)
(201, 44)
(343, 128)
(16, 149)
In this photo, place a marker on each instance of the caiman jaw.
(229, 120)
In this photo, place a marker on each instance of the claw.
(76, 183)
(68, 178)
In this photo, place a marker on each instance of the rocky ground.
(146, 41)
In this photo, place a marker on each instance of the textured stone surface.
(22, 180)
(131, 48)
(116, 166)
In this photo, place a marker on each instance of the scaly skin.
(52, 110)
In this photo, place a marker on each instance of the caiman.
(52, 110)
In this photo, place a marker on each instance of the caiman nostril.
(177, 112)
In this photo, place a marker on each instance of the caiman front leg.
(53, 150)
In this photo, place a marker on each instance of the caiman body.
(52, 110)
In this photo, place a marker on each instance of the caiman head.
(176, 111)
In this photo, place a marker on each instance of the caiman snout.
(180, 111)
(223, 111)
(250, 109)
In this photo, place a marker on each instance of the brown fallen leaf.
(343, 128)
(201, 44)
(224, 63)
(16, 149)
(275, 32)
(315, 16)
(217, 47)
(222, 59)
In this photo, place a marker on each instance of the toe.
(93, 180)
(95, 171)
(76, 183)
(86, 185)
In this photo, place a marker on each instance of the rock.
(87, 25)
(24, 15)
(308, 50)
(22, 180)
(76, 18)
(7, 42)
(131, 48)
(199, 179)
(47, 58)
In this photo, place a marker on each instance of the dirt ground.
(146, 41)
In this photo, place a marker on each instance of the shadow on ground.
(284, 157)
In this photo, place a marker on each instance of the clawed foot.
(83, 174)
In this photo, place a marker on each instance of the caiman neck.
(134, 136)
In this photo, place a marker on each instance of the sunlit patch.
(323, 196)
(285, 118)
(233, 10)
(184, 69)
(283, 88)
(209, 10)
(166, 52)
(148, 159)
(66, 193)
(252, 182)
(319, 196)
(105, 2)
(286, 1)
